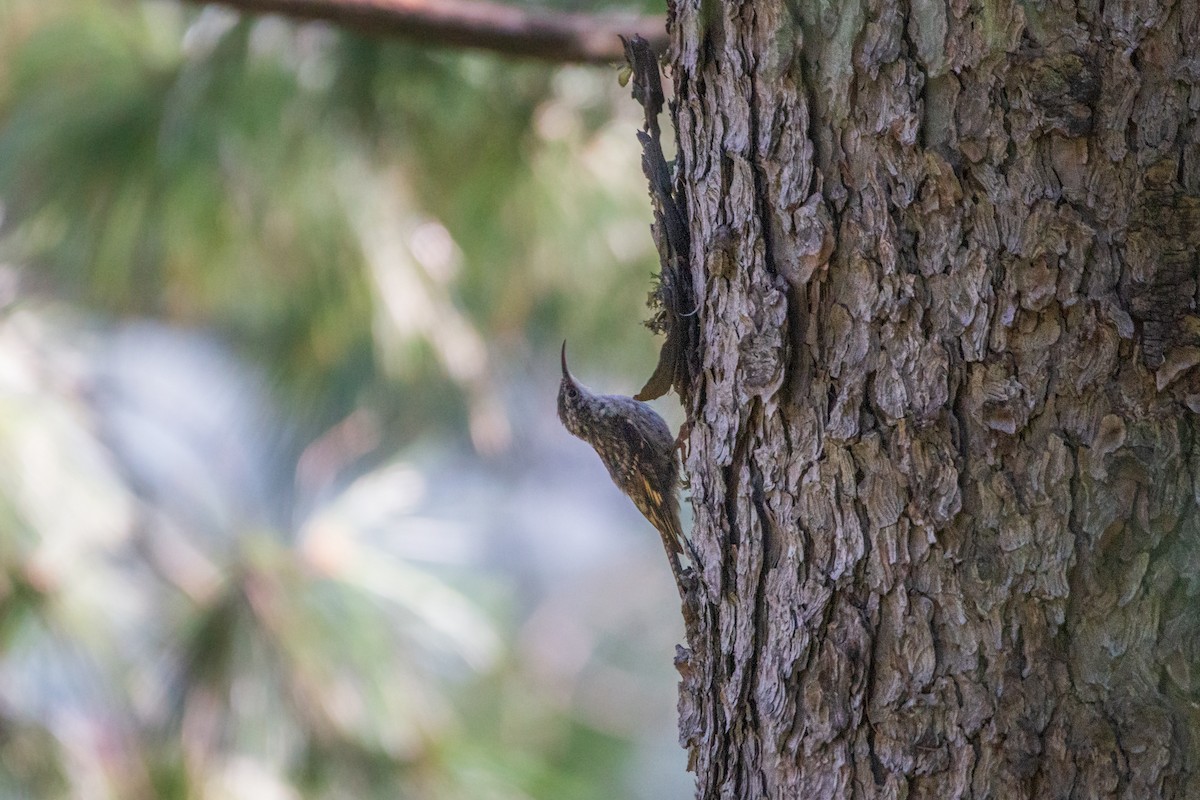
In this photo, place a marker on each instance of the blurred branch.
(520, 31)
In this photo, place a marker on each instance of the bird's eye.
(572, 393)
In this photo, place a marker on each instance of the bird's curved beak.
(566, 372)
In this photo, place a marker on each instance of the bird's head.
(572, 399)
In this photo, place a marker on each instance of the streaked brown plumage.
(638, 449)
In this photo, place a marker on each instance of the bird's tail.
(675, 543)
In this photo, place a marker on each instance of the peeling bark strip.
(673, 299)
(944, 452)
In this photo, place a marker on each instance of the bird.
(638, 450)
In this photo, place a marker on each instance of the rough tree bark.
(943, 444)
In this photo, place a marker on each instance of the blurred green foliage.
(375, 226)
(189, 165)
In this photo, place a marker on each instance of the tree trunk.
(942, 444)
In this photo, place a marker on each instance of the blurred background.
(285, 507)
